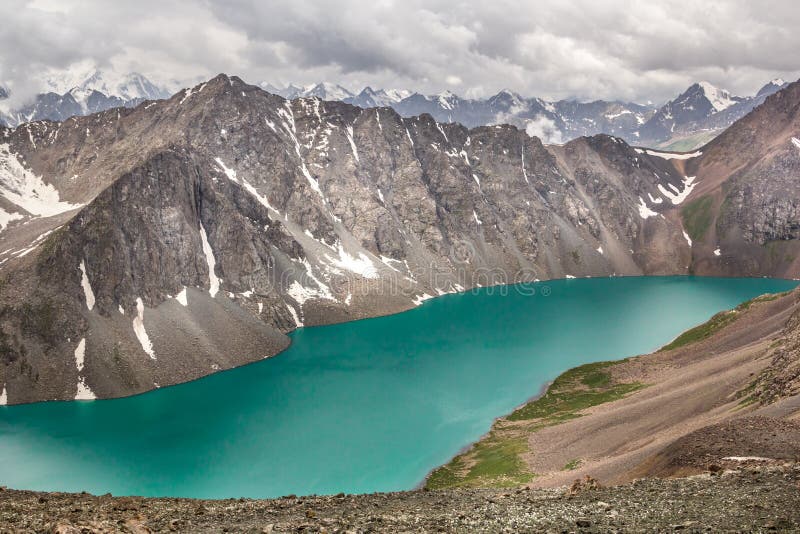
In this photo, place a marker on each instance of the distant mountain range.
(81, 94)
(690, 120)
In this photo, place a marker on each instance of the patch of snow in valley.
(408, 134)
(301, 293)
(349, 132)
(524, 172)
(121, 309)
(679, 196)
(644, 211)
(421, 298)
(80, 354)
(600, 249)
(796, 142)
(26, 190)
(87, 287)
(475, 216)
(181, 297)
(138, 329)
(361, 265)
(687, 238)
(4, 396)
(297, 322)
(213, 281)
(569, 277)
(655, 200)
(84, 392)
(6, 217)
(668, 155)
(717, 252)
(612, 116)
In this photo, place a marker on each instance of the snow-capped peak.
(446, 99)
(381, 97)
(507, 95)
(719, 98)
(328, 91)
(81, 83)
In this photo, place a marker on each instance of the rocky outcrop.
(148, 246)
(745, 204)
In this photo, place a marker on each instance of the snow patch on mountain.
(644, 211)
(87, 287)
(213, 281)
(141, 333)
(720, 98)
(23, 188)
(669, 155)
(677, 197)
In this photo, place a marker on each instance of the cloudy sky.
(611, 49)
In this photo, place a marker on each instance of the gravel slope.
(750, 499)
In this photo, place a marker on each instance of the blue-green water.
(365, 406)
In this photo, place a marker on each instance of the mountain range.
(684, 123)
(82, 94)
(150, 245)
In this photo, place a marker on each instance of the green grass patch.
(763, 298)
(496, 464)
(746, 395)
(717, 322)
(689, 143)
(697, 217)
(572, 464)
(703, 331)
(495, 460)
(572, 392)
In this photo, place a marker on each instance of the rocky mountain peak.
(772, 87)
(719, 99)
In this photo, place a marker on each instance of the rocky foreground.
(750, 498)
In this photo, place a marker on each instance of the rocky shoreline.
(750, 498)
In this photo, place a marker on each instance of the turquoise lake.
(366, 406)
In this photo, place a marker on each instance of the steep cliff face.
(149, 246)
(744, 211)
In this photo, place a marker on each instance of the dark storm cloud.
(623, 49)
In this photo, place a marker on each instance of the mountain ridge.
(264, 214)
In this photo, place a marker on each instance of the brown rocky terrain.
(750, 499)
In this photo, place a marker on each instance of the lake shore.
(607, 421)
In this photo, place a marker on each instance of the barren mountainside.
(148, 246)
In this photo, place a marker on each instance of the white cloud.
(554, 49)
(545, 129)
